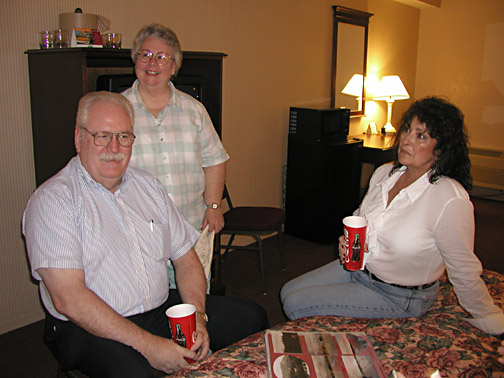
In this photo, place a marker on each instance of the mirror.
(349, 58)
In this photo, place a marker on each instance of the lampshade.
(354, 86)
(390, 89)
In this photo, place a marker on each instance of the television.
(192, 85)
(202, 88)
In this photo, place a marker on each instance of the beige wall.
(461, 56)
(278, 55)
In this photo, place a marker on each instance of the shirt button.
(169, 194)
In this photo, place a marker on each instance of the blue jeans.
(332, 290)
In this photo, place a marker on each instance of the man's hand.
(73, 299)
(165, 355)
(202, 343)
(168, 356)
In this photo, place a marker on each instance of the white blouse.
(425, 229)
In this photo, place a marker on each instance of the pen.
(151, 223)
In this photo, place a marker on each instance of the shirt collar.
(174, 98)
(136, 93)
(418, 187)
(414, 190)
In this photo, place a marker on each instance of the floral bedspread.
(416, 347)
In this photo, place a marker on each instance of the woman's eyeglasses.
(145, 56)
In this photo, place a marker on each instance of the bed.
(416, 347)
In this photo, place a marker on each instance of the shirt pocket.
(154, 240)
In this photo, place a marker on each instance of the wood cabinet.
(60, 77)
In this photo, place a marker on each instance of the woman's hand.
(342, 249)
(215, 220)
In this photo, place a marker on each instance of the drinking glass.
(112, 40)
(60, 39)
(46, 39)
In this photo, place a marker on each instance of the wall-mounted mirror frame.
(350, 30)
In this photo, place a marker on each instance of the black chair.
(254, 221)
(71, 374)
(79, 374)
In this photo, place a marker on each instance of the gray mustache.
(111, 156)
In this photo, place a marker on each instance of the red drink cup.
(182, 318)
(354, 228)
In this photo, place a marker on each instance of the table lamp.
(354, 88)
(390, 89)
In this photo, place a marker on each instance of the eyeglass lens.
(103, 138)
(145, 56)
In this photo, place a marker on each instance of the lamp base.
(389, 129)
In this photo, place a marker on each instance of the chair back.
(227, 197)
(253, 221)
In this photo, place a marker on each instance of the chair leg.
(227, 248)
(261, 264)
(66, 374)
(280, 246)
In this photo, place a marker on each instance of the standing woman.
(420, 222)
(176, 141)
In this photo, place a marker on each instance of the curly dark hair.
(445, 123)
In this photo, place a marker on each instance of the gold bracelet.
(203, 316)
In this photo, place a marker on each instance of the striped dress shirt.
(122, 240)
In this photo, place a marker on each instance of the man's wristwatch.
(203, 316)
(213, 206)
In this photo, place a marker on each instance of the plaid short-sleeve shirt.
(175, 146)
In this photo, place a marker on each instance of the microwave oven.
(323, 124)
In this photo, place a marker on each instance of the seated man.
(99, 235)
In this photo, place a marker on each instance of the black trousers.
(230, 320)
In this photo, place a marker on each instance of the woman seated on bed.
(420, 222)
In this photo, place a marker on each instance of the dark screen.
(192, 85)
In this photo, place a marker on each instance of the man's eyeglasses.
(145, 56)
(103, 138)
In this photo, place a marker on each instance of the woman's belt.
(418, 287)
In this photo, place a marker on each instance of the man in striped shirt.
(99, 235)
